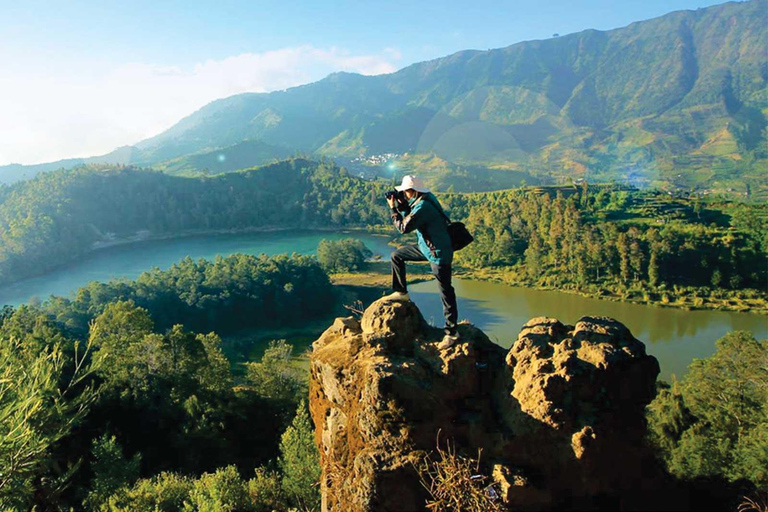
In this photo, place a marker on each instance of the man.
(428, 219)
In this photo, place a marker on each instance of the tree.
(717, 278)
(300, 463)
(275, 376)
(533, 256)
(595, 251)
(636, 256)
(715, 423)
(43, 396)
(111, 471)
(342, 255)
(622, 245)
(654, 242)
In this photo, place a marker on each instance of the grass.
(378, 274)
(454, 482)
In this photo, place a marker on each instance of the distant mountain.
(125, 155)
(249, 153)
(679, 100)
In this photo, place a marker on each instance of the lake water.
(674, 336)
(130, 260)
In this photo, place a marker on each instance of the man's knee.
(395, 257)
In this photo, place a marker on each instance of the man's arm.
(408, 223)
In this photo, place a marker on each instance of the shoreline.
(373, 276)
(145, 237)
(140, 237)
(498, 276)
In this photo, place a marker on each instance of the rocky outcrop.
(558, 418)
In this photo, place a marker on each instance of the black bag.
(457, 231)
(460, 237)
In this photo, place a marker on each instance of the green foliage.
(166, 492)
(714, 423)
(300, 462)
(44, 394)
(342, 255)
(111, 471)
(276, 376)
(221, 491)
(170, 395)
(167, 393)
(579, 240)
(228, 294)
(266, 491)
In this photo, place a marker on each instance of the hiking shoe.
(448, 341)
(400, 296)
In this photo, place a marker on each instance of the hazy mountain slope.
(242, 155)
(678, 100)
(122, 155)
(681, 92)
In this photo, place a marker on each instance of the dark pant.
(441, 272)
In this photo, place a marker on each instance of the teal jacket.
(428, 218)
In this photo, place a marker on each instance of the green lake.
(674, 336)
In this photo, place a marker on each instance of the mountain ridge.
(681, 92)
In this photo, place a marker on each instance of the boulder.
(557, 419)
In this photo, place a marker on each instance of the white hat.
(412, 182)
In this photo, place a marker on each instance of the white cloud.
(49, 118)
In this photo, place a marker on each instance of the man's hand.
(391, 202)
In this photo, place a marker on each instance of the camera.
(398, 195)
(401, 202)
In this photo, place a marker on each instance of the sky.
(81, 78)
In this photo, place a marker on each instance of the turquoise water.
(674, 336)
(130, 260)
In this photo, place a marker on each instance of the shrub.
(266, 491)
(165, 492)
(222, 491)
(276, 377)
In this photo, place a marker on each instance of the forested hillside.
(242, 155)
(630, 244)
(58, 216)
(604, 239)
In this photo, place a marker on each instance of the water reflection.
(674, 336)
